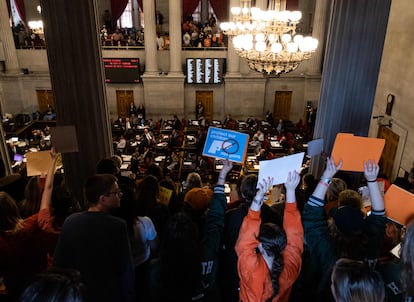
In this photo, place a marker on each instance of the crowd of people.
(145, 240)
(146, 236)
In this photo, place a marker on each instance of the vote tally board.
(226, 144)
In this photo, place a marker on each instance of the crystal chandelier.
(268, 39)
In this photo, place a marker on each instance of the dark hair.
(336, 186)
(147, 197)
(248, 187)
(55, 285)
(155, 170)
(9, 213)
(407, 263)
(355, 281)
(273, 240)
(128, 209)
(180, 258)
(107, 166)
(98, 185)
(32, 196)
(63, 205)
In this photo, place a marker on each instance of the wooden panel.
(45, 98)
(283, 101)
(390, 149)
(206, 99)
(123, 99)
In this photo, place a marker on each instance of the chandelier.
(268, 39)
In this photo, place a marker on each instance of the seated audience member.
(97, 244)
(356, 281)
(55, 285)
(346, 234)
(269, 256)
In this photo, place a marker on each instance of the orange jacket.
(255, 283)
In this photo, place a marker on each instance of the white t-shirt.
(144, 232)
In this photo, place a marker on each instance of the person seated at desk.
(134, 120)
(119, 124)
(256, 144)
(147, 140)
(49, 114)
(174, 140)
(121, 145)
(259, 135)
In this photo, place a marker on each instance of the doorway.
(44, 99)
(206, 99)
(283, 101)
(390, 150)
(123, 99)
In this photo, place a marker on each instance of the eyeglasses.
(118, 192)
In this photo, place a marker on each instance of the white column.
(150, 34)
(319, 24)
(175, 37)
(6, 36)
(233, 60)
(262, 4)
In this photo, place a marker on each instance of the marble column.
(78, 83)
(175, 37)
(233, 60)
(350, 72)
(262, 4)
(6, 37)
(150, 32)
(318, 32)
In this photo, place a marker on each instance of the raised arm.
(214, 225)
(371, 170)
(227, 166)
(327, 175)
(263, 187)
(47, 192)
(290, 185)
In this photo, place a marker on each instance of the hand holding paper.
(354, 150)
(279, 168)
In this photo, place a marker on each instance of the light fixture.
(39, 9)
(268, 39)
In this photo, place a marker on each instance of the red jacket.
(255, 283)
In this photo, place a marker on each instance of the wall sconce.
(39, 9)
(390, 103)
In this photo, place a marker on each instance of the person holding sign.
(269, 257)
(346, 234)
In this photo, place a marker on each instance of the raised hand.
(291, 183)
(263, 186)
(331, 168)
(227, 166)
(371, 170)
(292, 180)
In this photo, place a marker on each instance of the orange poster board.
(38, 163)
(399, 204)
(354, 150)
